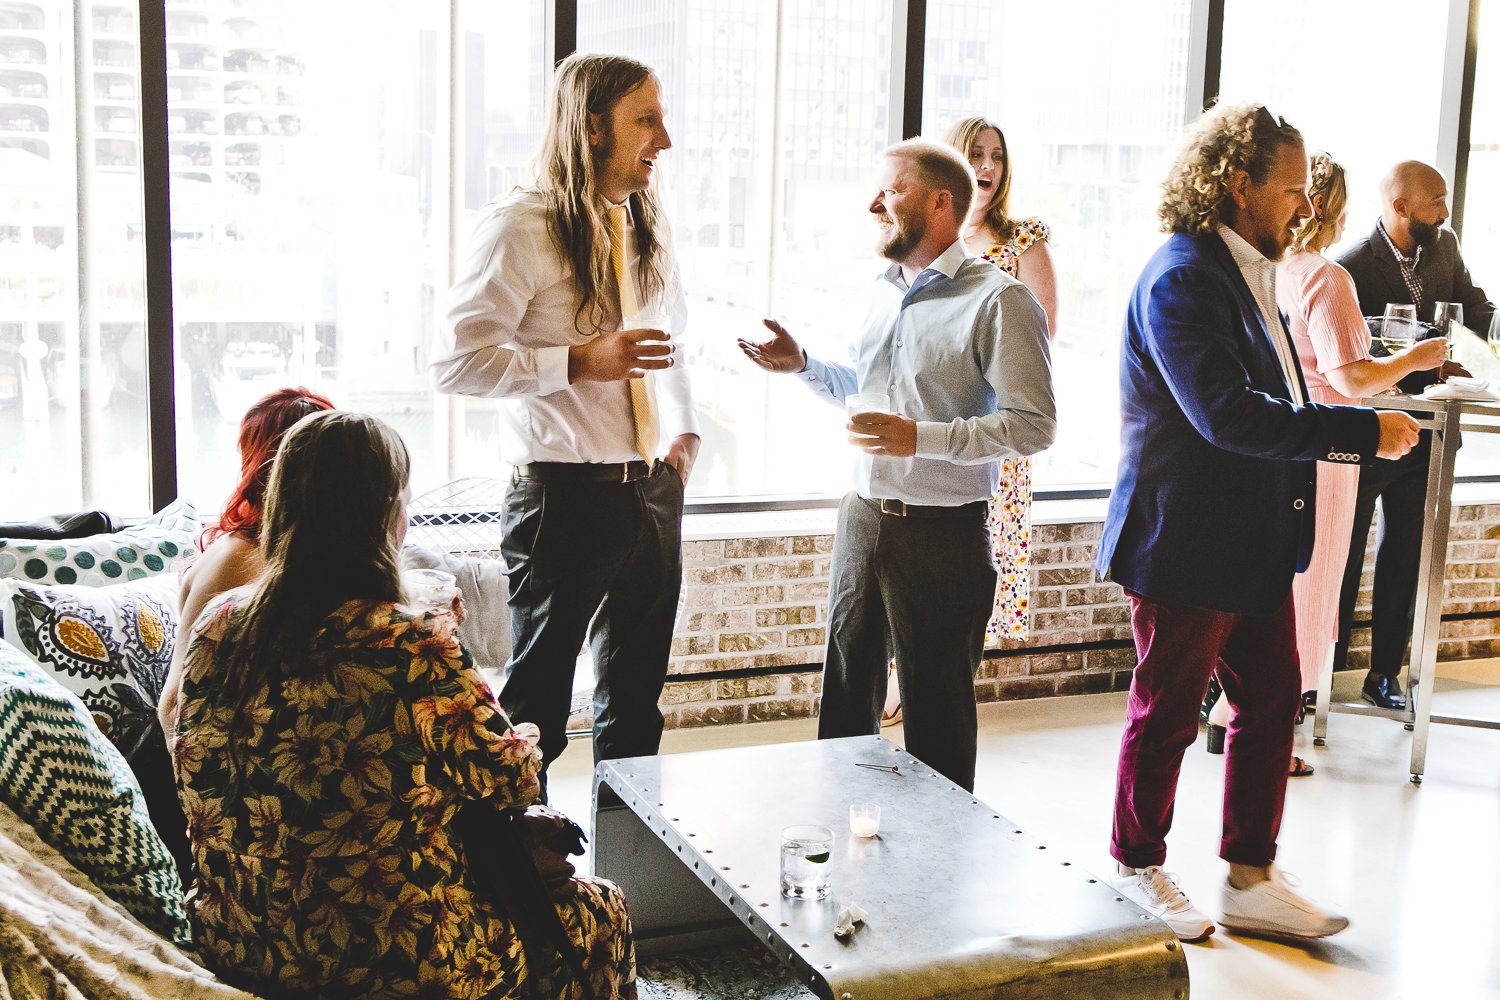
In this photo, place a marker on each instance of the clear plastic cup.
(866, 402)
(429, 589)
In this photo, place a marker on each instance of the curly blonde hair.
(1328, 183)
(1225, 140)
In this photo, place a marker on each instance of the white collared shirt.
(1260, 275)
(510, 323)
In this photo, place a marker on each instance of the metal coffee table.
(962, 902)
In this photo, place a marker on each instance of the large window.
(322, 183)
(72, 310)
(311, 185)
(768, 187)
(497, 123)
(1481, 226)
(1088, 152)
(1321, 67)
(1481, 219)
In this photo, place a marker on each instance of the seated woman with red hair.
(231, 554)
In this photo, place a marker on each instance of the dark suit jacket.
(1378, 282)
(1213, 504)
(1377, 279)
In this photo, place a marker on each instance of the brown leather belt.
(582, 472)
(900, 508)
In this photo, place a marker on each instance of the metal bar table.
(962, 903)
(1444, 419)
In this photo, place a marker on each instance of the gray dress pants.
(918, 589)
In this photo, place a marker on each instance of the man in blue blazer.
(1212, 515)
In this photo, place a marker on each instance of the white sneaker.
(1156, 892)
(1273, 907)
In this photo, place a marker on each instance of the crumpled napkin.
(848, 916)
(1458, 387)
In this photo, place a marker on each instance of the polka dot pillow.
(159, 544)
(110, 646)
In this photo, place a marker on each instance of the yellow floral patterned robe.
(325, 864)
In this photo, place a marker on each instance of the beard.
(1271, 248)
(897, 243)
(1425, 233)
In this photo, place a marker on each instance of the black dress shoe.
(1383, 692)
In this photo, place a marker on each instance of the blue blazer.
(1213, 502)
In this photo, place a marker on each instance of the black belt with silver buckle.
(582, 472)
(900, 508)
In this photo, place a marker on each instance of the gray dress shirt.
(964, 352)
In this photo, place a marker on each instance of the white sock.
(1124, 869)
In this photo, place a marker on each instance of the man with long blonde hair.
(567, 310)
(1212, 514)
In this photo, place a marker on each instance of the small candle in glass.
(864, 819)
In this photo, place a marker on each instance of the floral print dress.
(1010, 507)
(319, 813)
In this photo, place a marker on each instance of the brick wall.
(757, 608)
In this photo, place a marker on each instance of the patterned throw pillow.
(158, 544)
(111, 646)
(60, 775)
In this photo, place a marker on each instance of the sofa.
(93, 850)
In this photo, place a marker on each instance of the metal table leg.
(1429, 599)
(1325, 699)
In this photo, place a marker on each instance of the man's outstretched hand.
(781, 354)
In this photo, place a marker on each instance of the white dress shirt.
(511, 320)
(1260, 274)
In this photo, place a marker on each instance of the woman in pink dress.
(1317, 296)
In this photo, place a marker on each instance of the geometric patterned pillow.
(157, 545)
(60, 775)
(111, 646)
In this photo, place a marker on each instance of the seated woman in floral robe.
(327, 737)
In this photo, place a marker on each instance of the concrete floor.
(1417, 869)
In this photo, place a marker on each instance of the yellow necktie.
(642, 394)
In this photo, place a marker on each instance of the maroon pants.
(1178, 648)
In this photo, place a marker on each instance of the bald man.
(1411, 259)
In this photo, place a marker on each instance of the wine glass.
(1449, 319)
(1398, 328)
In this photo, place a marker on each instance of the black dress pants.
(919, 590)
(1401, 487)
(601, 560)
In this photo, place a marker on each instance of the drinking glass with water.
(806, 862)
